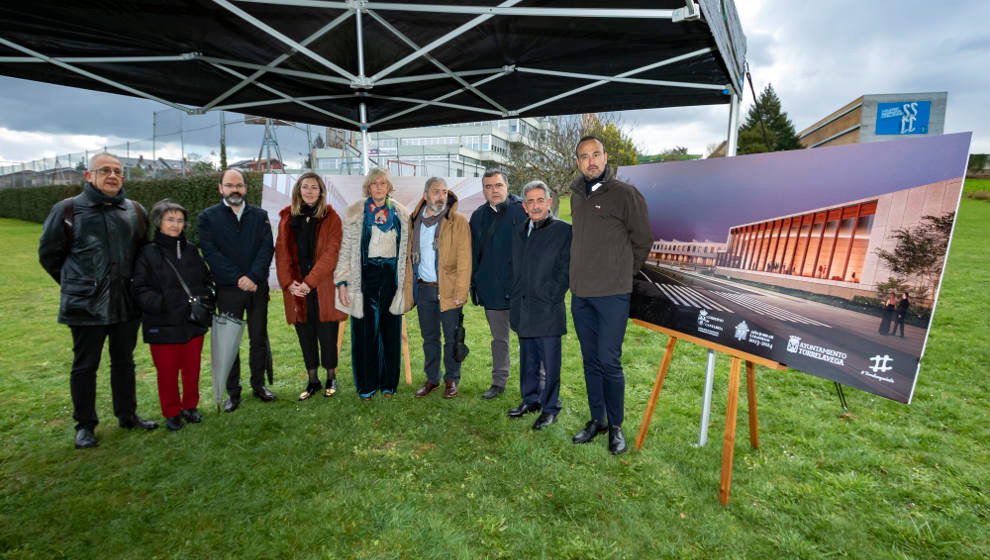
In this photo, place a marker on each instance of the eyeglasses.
(233, 185)
(178, 221)
(110, 171)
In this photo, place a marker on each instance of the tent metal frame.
(364, 84)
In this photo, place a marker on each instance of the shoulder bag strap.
(177, 275)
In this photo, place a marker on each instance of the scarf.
(428, 222)
(588, 183)
(381, 216)
(305, 229)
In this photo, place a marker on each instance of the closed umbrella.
(225, 343)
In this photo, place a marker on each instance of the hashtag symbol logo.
(880, 363)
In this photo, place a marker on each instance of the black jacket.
(235, 248)
(612, 236)
(94, 267)
(491, 274)
(540, 265)
(158, 293)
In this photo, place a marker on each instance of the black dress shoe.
(85, 438)
(231, 405)
(192, 416)
(264, 394)
(135, 421)
(522, 409)
(616, 441)
(591, 429)
(174, 423)
(492, 392)
(544, 420)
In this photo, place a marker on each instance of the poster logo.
(880, 363)
(742, 329)
(793, 343)
(903, 117)
(710, 324)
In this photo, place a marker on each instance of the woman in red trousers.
(176, 344)
(306, 249)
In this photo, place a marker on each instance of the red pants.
(169, 360)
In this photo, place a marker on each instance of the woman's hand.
(342, 291)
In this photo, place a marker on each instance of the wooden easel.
(405, 347)
(738, 356)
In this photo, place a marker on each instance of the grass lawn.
(409, 478)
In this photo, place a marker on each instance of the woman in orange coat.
(309, 233)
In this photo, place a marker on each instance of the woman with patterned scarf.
(370, 273)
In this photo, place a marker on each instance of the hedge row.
(194, 193)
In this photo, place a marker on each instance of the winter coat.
(235, 248)
(349, 262)
(453, 257)
(491, 271)
(158, 293)
(612, 237)
(94, 266)
(540, 263)
(328, 235)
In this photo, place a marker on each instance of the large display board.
(344, 190)
(791, 255)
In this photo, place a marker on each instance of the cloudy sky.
(818, 56)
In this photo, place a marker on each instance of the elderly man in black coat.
(88, 246)
(541, 257)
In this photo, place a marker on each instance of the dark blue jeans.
(600, 323)
(533, 352)
(431, 320)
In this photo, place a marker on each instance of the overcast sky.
(818, 56)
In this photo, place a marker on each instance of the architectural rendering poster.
(804, 257)
(344, 190)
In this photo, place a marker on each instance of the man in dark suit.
(88, 246)
(541, 256)
(492, 225)
(236, 239)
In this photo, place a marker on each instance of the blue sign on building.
(903, 117)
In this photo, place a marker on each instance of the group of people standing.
(893, 314)
(374, 263)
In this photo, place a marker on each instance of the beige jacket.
(453, 258)
(349, 262)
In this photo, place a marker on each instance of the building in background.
(879, 117)
(455, 150)
(686, 253)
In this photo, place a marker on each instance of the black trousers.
(431, 322)
(318, 339)
(87, 348)
(376, 338)
(233, 300)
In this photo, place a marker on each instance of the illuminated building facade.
(833, 250)
(692, 253)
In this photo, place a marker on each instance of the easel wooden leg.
(341, 327)
(728, 447)
(657, 385)
(754, 437)
(405, 352)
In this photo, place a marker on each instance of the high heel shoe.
(311, 389)
(331, 388)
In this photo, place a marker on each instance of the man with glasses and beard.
(237, 244)
(88, 245)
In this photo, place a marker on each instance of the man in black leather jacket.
(88, 246)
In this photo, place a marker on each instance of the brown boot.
(426, 389)
(451, 390)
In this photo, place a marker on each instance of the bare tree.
(550, 158)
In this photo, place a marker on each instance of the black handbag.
(201, 308)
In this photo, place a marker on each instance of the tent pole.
(733, 132)
(706, 406)
(364, 139)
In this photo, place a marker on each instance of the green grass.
(976, 185)
(408, 478)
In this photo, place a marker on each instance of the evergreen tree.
(780, 133)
